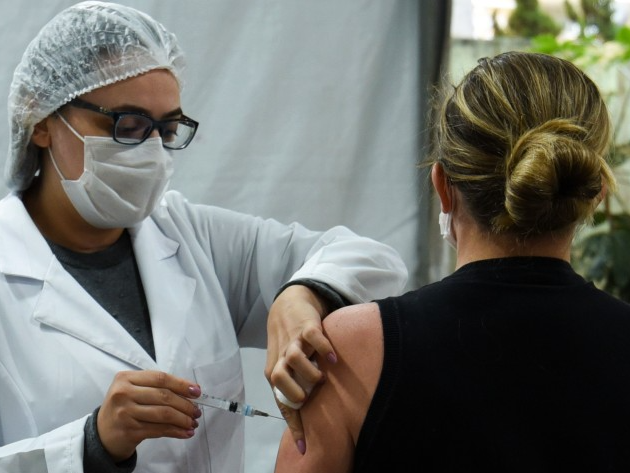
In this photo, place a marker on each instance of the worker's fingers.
(314, 340)
(294, 423)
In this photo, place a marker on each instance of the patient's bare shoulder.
(334, 413)
(348, 326)
(357, 336)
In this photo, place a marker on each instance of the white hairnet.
(86, 46)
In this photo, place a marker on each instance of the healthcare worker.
(119, 300)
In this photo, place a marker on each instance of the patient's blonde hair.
(524, 137)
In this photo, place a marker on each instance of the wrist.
(326, 297)
(305, 293)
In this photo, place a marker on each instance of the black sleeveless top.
(509, 365)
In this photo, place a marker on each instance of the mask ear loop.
(450, 191)
(50, 153)
(75, 132)
(445, 219)
(52, 158)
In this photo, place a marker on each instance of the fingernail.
(194, 390)
(190, 432)
(331, 357)
(197, 413)
(301, 446)
(195, 424)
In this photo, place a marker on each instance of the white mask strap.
(76, 133)
(52, 158)
(444, 219)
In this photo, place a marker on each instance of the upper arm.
(333, 416)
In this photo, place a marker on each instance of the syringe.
(231, 406)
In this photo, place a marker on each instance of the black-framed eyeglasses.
(132, 128)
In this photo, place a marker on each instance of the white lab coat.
(209, 275)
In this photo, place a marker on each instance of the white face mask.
(446, 220)
(121, 184)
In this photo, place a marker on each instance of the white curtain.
(309, 110)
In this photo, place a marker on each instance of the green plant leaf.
(623, 35)
(545, 43)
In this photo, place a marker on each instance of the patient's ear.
(442, 187)
(41, 136)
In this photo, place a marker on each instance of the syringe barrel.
(246, 410)
(230, 406)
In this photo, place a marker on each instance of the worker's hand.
(141, 405)
(294, 333)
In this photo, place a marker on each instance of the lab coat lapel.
(67, 307)
(23, 251)
(168, 289)
(62, 303)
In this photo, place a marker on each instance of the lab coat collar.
(23, 250)
(63, 303)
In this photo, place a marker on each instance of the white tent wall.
(309, 110)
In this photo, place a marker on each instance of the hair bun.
(552, 178)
